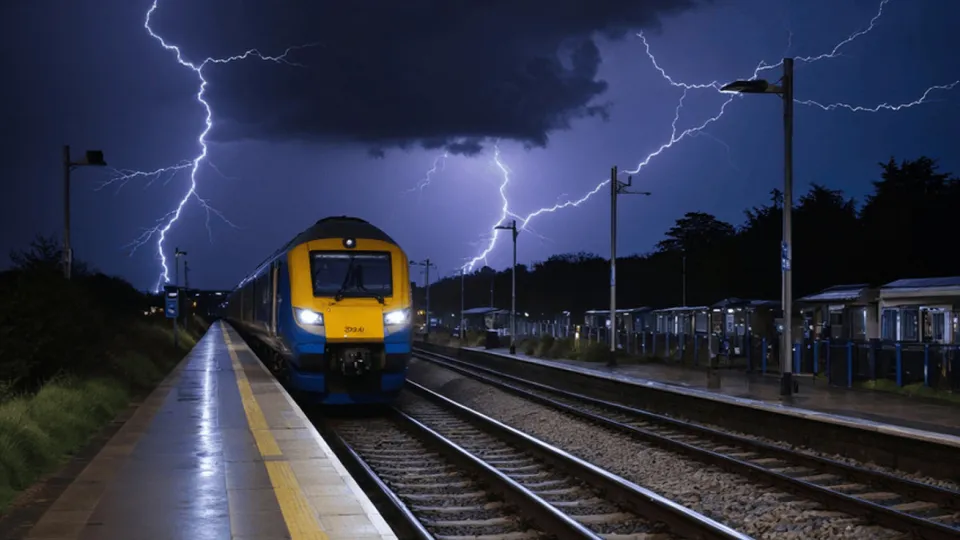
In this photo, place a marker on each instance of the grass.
(910, 390)
(39, 432)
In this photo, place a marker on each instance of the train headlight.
(400, 316)
(308, 317)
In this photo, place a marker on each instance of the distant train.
(332, 312)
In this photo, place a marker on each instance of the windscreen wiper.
(361, 287)
(346, 281)
(370, 294)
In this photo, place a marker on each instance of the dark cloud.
(392, 73)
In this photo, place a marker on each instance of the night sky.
(382, 89)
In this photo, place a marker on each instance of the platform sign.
(171, 301)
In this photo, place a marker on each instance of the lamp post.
(426, 264)
(463, 274)
(92, 158)
(616, 188)
(176, 282)
(785, 90)
(513, 287)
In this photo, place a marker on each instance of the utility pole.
(426, 264)
(186, 288)
(493, 280)
(513, 292)
(463, 274)
(786, 352)
(176, 282)
(91, 158)
(616, 188)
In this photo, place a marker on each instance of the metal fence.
(843, 363)
(846, 363)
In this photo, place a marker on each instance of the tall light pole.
(463, 274)
(176, 261)
(493, 281)
(426, 264)
(92, 158)
(186, 291)
(513, 288)
(616, 188)
(176, 281)
(785, 90)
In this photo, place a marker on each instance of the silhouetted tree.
(910, 217)
(906, 228)
(50, 325)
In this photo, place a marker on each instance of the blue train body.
(331, 312)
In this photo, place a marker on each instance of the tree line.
(84, 327)
(907, 227)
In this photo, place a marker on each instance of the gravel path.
(752, 508)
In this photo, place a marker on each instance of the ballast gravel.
(751, 508)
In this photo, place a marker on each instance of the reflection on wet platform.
(217, 451)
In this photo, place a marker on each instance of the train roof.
(341, 227)
(328, 227)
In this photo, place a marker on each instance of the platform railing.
(844, 363)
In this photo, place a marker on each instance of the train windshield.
(351, 274)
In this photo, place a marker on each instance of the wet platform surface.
(874, 406)
(218, 451)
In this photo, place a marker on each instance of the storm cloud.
(394, 73)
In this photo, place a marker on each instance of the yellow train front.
(331, 311)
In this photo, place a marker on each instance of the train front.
(351, 310)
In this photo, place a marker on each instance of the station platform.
(218, 451)
(928, 420)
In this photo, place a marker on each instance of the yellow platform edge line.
(302, 523)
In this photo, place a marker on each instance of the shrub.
(543, 347)
(560, 348)
(596, 352)
(72, 352)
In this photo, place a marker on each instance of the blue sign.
(784, 256)
(172, 302)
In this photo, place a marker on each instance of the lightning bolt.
(438, 166)
(504, 211)
(122, 177)
(676, 137)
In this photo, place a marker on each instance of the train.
(330, 313)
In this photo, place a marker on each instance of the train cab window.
(351, 274)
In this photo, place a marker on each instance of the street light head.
(94, 157)
(757, 86)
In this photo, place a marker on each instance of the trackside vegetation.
(73, 355)
(545, 346)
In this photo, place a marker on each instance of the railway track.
(453, 473)
(923, 510)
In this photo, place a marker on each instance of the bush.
(72, 353)
(560, 348)
(546, 342)
(596, 352)
(36, 431)
(476, 338)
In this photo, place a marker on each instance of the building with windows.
(920, 310)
